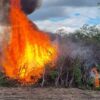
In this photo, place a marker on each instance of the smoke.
(72, 49)
(4, 23)
(28, 6)
(4, 11)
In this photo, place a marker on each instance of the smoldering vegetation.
(72, 49)
(82, 44)
(78, 53)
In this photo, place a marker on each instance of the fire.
(29, 49)
(96, 82)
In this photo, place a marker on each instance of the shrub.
(77, 76)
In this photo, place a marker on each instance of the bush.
(7, 82)
(90, 83)
(3, 80)
(78, 77)
(53, 74)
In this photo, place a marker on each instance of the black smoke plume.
(28, 6)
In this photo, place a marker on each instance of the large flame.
(28, 50)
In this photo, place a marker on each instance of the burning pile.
(28, 50)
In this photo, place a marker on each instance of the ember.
(28, 50)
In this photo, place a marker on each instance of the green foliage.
(97, 88)
(53, 74)
(88, 34)
(6, 82)
(98, 67)
(3, 80)
(90, 82)
(77, 76)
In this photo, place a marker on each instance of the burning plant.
(28, 50)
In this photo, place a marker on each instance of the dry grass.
(24, 93)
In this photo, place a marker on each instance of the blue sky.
(70, 14)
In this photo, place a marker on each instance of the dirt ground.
(47, 94)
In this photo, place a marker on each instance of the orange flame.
(29, 49)
(96, 82)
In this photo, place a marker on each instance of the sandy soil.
(47, 94)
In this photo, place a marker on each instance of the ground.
(26, 93)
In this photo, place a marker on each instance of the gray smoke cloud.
(4, 10)
(72, 49)
(4, 23)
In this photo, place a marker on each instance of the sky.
(67, 14)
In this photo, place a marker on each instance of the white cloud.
(51, 26)
(43, 16)
(73, 22)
